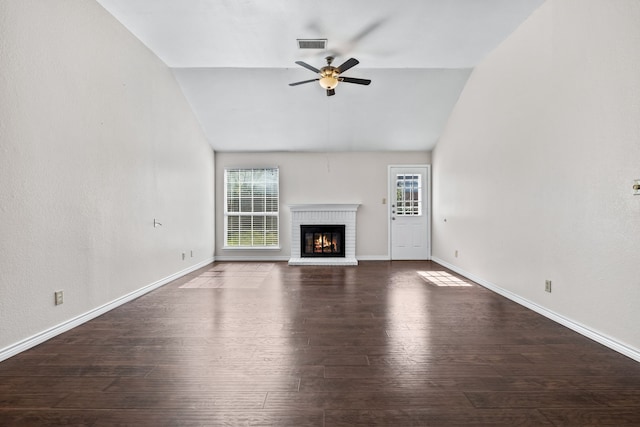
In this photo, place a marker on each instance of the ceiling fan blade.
(366, 31)
(331, 92)
(308, 67)
(303, 82)
(352, 62)
(354, 80)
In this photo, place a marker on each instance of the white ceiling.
(235, 58)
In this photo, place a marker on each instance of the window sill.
(251, 248)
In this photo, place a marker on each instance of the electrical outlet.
(183, 256)
(456, 253)
(547, 285)
(59, 297)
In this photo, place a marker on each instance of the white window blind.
(251, 199)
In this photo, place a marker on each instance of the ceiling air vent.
(312, 43)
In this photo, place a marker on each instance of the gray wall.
(534, 172)
(354, 177)
(96, 140)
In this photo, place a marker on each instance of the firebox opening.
(322, 240)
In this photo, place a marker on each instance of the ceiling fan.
(330, 76)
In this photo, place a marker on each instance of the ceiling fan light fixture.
(330, 76)
(328, 82)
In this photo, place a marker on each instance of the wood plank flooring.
(379, 344)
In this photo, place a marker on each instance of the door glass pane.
(409, 194)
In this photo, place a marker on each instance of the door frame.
(427, 196)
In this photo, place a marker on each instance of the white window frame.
(255, 198)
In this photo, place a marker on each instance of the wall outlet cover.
(59, 297)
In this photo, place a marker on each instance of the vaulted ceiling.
(234, 59)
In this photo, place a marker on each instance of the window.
(409, 194)
(251, 200)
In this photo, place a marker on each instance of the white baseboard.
(43, 336)
(266, 258)
(253, 258)
(373, 257)
(598, 337)
(343, 261)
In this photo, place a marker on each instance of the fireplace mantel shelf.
(322, 207)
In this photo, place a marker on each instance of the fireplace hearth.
(322, 240)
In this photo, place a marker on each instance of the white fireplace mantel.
(324, 207)
(312, 214)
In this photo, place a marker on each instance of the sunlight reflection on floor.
(442, 278)
(232, 276)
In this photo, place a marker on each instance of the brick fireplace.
(313, 217)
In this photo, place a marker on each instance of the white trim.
(348, 207)
(584, 330)
(251, 248)
(323, 261)
(47, 334)
(385, 257)
(227, 258)
(252, 258)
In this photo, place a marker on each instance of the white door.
(409, 212)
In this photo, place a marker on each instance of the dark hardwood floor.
(380, 344)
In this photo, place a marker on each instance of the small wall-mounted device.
(636, 187)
